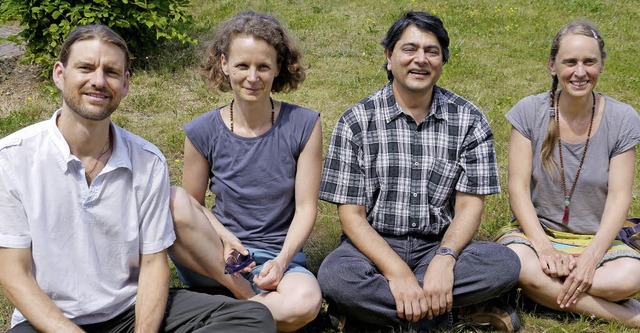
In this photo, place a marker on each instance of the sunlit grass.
(499, 51)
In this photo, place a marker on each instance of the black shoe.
(324, 322)
(336, 319)
(493, 313)
(442, 323)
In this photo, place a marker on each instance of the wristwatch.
(445, 251)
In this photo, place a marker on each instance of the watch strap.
(445, 251)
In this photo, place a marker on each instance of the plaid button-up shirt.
(406, 174)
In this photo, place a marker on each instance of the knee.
(529, 280)
(180, 204)
(331, 275)
(305, 305)
(504, 267)
(296, 303)
(531, 277)
(314, 299)
(327, 272)
(511, 257)
(512, 266)
(622, 286)
(345, 284)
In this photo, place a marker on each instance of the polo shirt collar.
(393, 110)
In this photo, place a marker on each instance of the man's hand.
(411, 303)
(438, 285)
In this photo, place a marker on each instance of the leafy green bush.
(144, 24)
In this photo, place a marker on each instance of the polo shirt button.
(416, 163)
(413, 225)
(415, 195)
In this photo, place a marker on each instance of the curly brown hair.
(261, 26)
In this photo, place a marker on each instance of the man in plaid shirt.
(408, 168)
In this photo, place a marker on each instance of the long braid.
(552, 92)
(547, 156)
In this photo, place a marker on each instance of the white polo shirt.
(86, 240)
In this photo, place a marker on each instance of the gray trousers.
(190, 312)
(354, 285)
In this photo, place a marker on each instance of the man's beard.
(80, 109)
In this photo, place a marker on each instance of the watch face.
(446, 251)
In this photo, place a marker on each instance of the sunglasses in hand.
(236, 262)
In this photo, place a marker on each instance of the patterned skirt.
(573, 244)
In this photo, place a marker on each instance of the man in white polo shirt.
(84, 214)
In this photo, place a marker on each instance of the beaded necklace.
(569, 193)
(231, 113)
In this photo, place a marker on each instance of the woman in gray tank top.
(571, 169)
(262, 160)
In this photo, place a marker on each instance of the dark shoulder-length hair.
(422, 20)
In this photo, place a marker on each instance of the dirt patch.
(20, 86)
(18, 83)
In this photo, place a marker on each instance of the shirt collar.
(393, 110)
(63, 152)
(119, 154)
(439, 104)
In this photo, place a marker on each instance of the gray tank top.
(253, 178)
(618, 132)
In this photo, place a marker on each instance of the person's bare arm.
(22, 290)
(438, 279)
(153, 290)
(553, 262)
(195, 178)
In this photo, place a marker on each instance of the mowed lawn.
(499, 53)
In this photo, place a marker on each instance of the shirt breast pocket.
(442, 180)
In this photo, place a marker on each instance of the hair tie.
(552, 112)
(594, 34)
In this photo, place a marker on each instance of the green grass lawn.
(498, 56)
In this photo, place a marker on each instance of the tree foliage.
(144, 24)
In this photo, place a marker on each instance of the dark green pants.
(190, 312)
